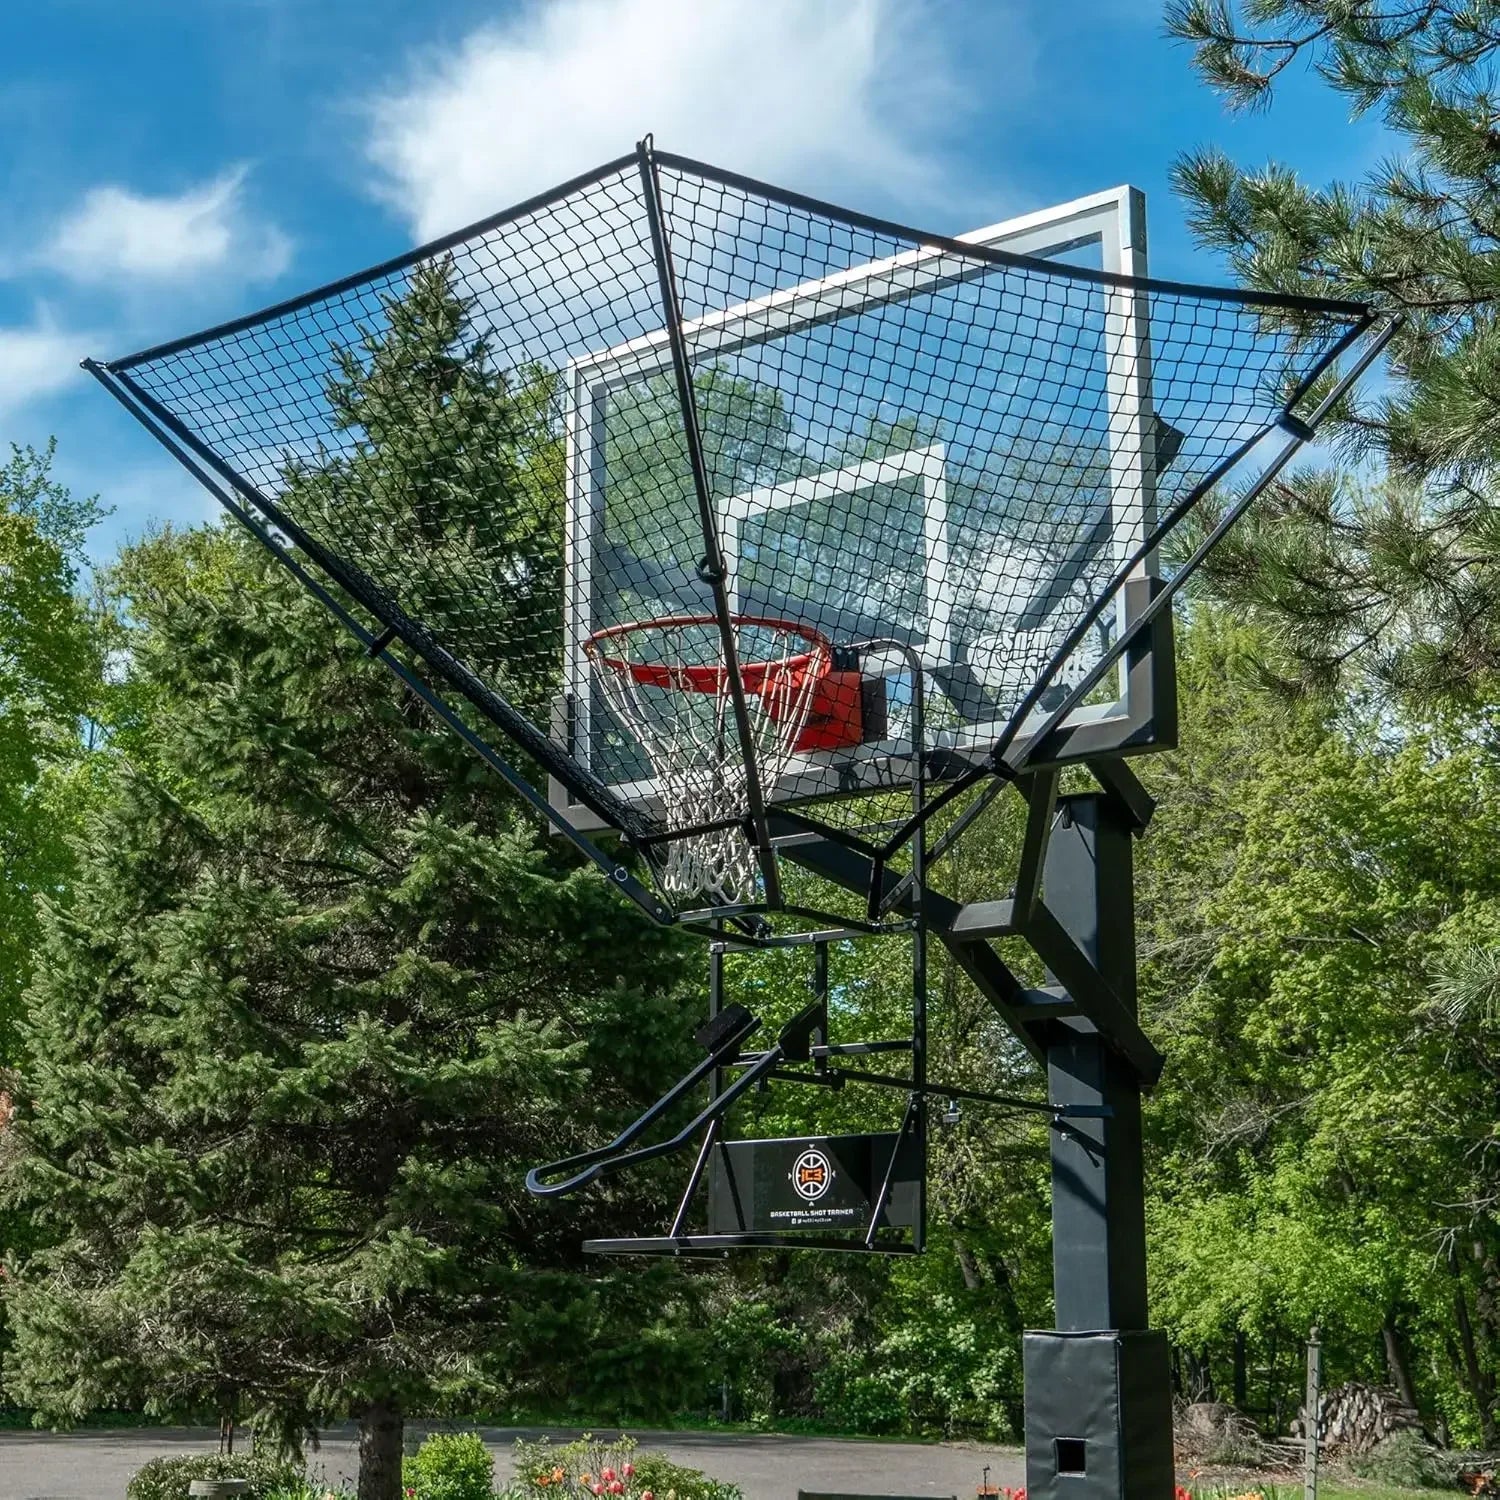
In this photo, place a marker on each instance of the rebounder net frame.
(414, 439)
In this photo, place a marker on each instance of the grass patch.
(1341, 1488)
(1354, 1489)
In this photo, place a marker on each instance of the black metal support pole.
(822, 1041)
(1098, 1188)
(710, 1140)
(1098, 1402)
(716, 998)
(919, 939)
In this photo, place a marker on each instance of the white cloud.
(821, 93)
(118, 235)
(36, 362)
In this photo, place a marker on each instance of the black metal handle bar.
(722, 1036)
(603, 1158)
(715, 1108)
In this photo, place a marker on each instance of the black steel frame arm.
(723, 1049)
(723, 1041)
(966, 929)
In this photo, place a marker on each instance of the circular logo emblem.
(812, 1175)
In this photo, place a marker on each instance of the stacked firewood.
(1355, 1417)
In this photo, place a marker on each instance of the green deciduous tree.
(1323, 1140)
(50, 675)
(1379, 577)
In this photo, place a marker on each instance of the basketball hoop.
(667, 681)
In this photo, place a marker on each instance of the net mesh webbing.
(902, 439)
(667, 683)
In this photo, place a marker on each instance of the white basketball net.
(667, 682)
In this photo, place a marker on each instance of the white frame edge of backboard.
(929, 465)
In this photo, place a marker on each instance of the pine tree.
(323, 994)
(1402, 575)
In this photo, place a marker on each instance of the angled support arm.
(729, 1030)
(1040, 792)
(1096, 999)
(966, 929)
(722, 1036)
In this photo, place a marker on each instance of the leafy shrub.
(582, 1469)
(939, 1371)
(169, 1478)
(662, 1478)
(853, 1399)
(1405, 1461)
(566, 1471)
(450, 1466)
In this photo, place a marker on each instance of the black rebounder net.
(667, 471)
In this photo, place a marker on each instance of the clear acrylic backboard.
(871, 523)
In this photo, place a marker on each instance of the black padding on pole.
(1098, 1416)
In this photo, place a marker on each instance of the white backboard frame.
(925, 464)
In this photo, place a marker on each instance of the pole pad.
(1098, 1416)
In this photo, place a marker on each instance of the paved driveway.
(97, 1465)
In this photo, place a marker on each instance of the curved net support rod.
(664, 391)
(713, 569)
(1299, 432)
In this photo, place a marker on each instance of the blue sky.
(169, 163)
